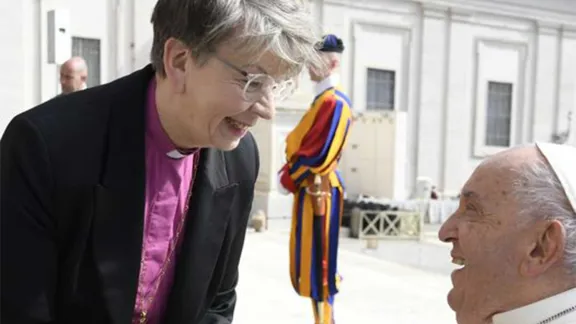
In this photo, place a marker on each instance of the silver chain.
(557, 316)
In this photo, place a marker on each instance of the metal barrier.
(382, 225)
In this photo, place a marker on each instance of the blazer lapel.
(208, 217)
(119, 213)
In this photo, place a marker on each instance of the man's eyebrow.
(469, 194)
(475, 197)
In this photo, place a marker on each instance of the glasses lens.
(256, 86)
(285, 90)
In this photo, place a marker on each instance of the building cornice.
(541, 15)
(437, 8)
(389, 6)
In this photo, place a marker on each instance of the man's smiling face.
(487, 243)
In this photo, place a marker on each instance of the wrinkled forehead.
(491, 185)
(496, 175)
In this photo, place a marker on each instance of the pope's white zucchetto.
(562, 159)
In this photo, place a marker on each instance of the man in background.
(313, 150)
(73, 75)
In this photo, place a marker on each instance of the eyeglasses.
(258, 84)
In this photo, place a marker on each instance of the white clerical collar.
(175, 154)
(330, 82)
(180, 154)
(539, 311)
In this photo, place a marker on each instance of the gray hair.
(283, 27)
(542, 196)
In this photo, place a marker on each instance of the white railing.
(433, 211)
(387, 224)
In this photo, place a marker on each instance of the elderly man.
(129, 202)
(514, 235)
(73, 75)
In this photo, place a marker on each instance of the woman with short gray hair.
(129, 202)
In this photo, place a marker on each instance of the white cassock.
(558, 309)
(561, 308)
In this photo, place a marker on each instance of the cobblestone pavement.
(400, 283)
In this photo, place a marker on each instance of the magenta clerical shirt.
(168, 181)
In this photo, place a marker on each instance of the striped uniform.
(314, 148)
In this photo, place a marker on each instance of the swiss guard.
(313, 150)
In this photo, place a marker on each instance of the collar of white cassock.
(540, 311)
(562, 159)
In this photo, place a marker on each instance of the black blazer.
(72, 175)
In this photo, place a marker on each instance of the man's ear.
(175, 57)
(336, 62)
(546, 250)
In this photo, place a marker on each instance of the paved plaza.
(400, 283)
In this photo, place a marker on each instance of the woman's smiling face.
(213, 107)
